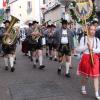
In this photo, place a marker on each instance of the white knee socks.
(83, 88)
(67, 67)
(34, 60)
(29, 53)
(97, 94)
(41, 60)
(11, 59)
(6, 61)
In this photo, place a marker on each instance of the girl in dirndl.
(86, 68)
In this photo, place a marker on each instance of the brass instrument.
(36, 36)
(10, 39)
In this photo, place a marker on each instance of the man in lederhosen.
(37, 45)
(55, 53)
(64, 39)
(49, 41)
(28, 42)
(9, 50)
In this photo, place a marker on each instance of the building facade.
(97, 3)
(54, 11)
(26, 10)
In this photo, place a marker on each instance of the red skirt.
(98, 55)
(86, 68)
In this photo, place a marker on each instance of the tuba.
(9, 40)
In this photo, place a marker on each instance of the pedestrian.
(9, 50)
(86, 68)
(65, 44)
(37, 46)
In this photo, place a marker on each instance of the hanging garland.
(74, 16)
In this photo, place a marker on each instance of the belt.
(65, 44)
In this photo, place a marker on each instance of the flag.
(4, 3)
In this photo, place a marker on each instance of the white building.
(54, 12)
(26, 10)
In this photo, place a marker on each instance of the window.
(29, 7)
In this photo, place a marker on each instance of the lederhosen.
(64, 48)
(36, 43)
(55, 43)
(9, 49)
(40, 43)
(50, 42)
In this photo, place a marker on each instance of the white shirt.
(43, 41)
(95, 42)
(64, 38)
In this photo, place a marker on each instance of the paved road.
(27, 83)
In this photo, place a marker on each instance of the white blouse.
(95, 42)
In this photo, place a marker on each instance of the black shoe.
(31, 59)
(12, 69)
(71, 67)
(55, 59)
(14, 62)
(59, 71)
(50, 58)
(25, 54)
(46, 54)
(37, 60)
(34, 65)
(75, 55)
(6, 68)
(68, 75)
(42, 67)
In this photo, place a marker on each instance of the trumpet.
(36, 33)
(36, 36)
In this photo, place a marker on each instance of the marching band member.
(50, 41)
(37, 45)
(64, 39)
(9, 50)
(28, 35)
(86, 68)
(55, 53)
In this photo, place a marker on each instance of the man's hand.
(7, 34)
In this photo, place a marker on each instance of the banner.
(11, 1)
(4, 3)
